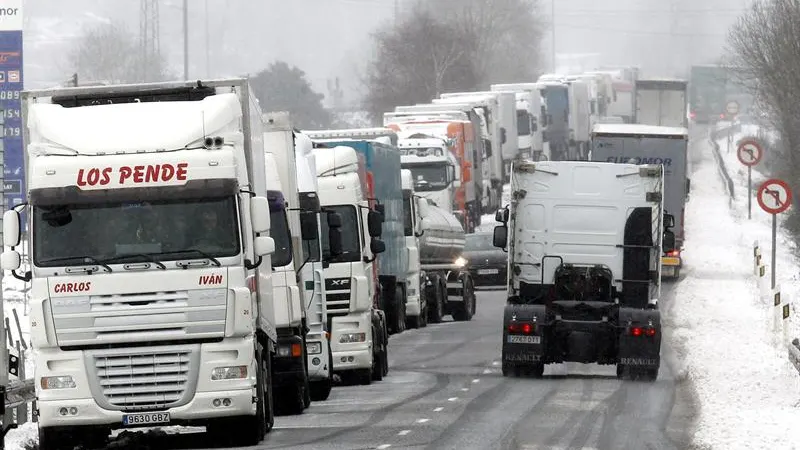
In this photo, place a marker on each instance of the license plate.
(670, 261)
(513, 339)
(145, 418)
(488, 271)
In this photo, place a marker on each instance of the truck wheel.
(400, 305)
(385, 360)
(435, 312)
(650, 374)
(320, 390)
(377, 365)
(414, 322)
(466, 309)
(536, 370)
(306, 393)
(60, 438)
(364, 376)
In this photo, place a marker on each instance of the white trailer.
(150, 260)
(662, 103)
(529, 98)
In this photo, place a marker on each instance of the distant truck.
(645, 144)
(530, 129)
(583, 278)
(662, 103)
(556, 133)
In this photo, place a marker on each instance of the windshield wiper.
(150, 258)
(86, 259)
(194, 250)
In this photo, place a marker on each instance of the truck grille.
(337, 296)
(142, 381)
(141, 317)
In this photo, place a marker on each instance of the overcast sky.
(329, 38)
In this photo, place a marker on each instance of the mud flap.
(639, 349)
(519, 354)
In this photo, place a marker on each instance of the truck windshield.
(68, 234)
(279, 231)
(351, 244)
(429, 177)
(523, 123)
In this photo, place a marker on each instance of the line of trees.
(764, 46)
(452, 45)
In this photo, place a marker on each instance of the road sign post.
(750, 153)
(774, 196)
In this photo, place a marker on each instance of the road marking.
(383, 446)
(464, 389)
(404, 432)
(438, 409)
(487, 371)
(452, 399)
(422, 420)
(476, 380)
(495, 363)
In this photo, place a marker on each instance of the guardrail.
(722, 170)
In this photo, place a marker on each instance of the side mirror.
(668, 241)
(10, 259)
(334, 220)
(669, 221)
(376, 246)
(308, 225)
(335, 241)
(375, 224)
(503, 137)
(259, 215)
(263, 246)
(11, 229)
(501, 215)
(500, 236)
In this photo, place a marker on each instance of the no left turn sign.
(732, 108)
(774, 196)
(749, 152)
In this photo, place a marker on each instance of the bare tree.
(416, 61)
(507, 35)
(108, 53)
(765, 48)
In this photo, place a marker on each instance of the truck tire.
(306, 392)
(414, 322)
(377, 362)
(400, 310)
(466, 309)
(291, 401)
(364, 376)
(321, 390)
(58, 438)
(434, 296)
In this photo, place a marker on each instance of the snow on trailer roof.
(638, 129)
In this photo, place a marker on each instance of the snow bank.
(746, 388)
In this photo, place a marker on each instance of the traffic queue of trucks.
(215, 266)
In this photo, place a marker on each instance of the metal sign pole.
(774, 238)
(749, 192)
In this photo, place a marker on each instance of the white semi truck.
(359, 335)
(662, 102)
(151, 276)
(529, 98)
(584, 245)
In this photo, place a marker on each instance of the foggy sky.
(329, 38)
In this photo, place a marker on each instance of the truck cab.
(151, 275)
(529, 98)
(556, 99)
(358, 327)
(432, 167)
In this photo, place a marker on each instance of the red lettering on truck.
(151, 173)
(71, 287)
(210, 279)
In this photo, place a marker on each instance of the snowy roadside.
(746, 389)
(759, 228)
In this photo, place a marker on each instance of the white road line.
(495, 363)
(464, 389)
(422, 420)
(404, 432)
(438, 409)
(380, 447)
(487, 371)
(476, 380)
(452, 399)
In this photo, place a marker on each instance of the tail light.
(642, 331)
(674, 253)
(692, 114)
(522, 328)
(722, 116)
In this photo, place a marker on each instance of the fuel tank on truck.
(443, 239)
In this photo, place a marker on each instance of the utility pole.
(186, 40)
(396, 11)
(553, 33)
(208, 46)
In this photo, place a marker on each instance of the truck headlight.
(460, 262)
(57, 382)
(313, 348)
(229, 373)
(350, 338)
